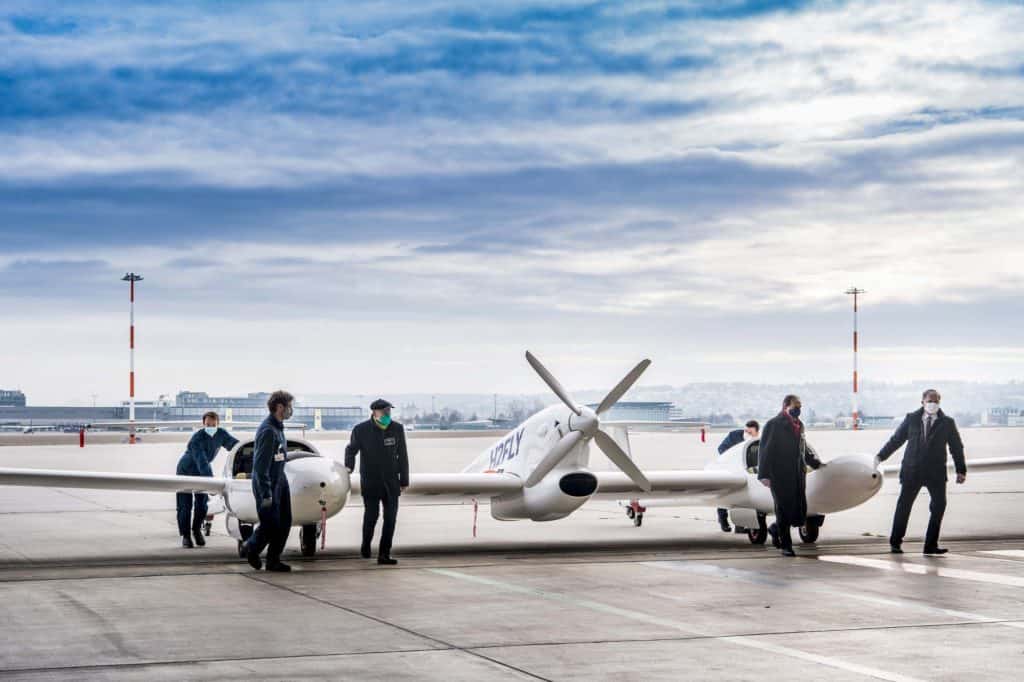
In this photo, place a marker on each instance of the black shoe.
(252, 557)
(788, 551)
(895, 549)
(934, 551)
(200, 540)
(386, 560)
(364, 551)
(726, 528)
(278, 567)
(186, 542)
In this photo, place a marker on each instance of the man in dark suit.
(928, 433)
(383, 474)
(780, 466)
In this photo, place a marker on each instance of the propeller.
(587, 426)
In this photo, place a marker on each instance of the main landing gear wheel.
(630, 512)
(207, 527)
(809, 531)
(759, 535)
(638, 519)
(307, 539)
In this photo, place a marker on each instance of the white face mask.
(212, 430)
(931, 408)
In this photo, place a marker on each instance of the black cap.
(380, 404)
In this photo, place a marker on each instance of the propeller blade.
(620, 459)
(552, 382)
(551, 460)
(620, 389)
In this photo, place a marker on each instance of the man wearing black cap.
(383, 474)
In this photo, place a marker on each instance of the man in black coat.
(383, 474)
(270, 487)
(928, 433)
(780, 466)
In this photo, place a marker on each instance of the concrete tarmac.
(93, 585)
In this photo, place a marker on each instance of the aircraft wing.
(675, 484)
(102, 480)
(973, 465)
(458, 485)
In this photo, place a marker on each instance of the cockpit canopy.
(241, 458)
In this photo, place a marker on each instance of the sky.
(403, 197)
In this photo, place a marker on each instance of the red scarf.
(793, 423)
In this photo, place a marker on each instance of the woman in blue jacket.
(202, 448)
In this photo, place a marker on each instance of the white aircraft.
(538, 471)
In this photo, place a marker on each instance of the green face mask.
(385, 420)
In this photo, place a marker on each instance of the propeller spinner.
(586, 425)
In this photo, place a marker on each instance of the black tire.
(638, 519)
(809, 533)
(307, 540)
(759, 535)
(630, 512)
(207, 527)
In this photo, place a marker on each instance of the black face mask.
(794, 412)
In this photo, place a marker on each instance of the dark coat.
(201, 450)
(781, 457)
(384, 465)
(925, 462)
(735, 436)
(268, 459)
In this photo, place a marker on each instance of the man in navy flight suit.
(270, 487)
(202, 449)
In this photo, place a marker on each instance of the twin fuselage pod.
(318, 484)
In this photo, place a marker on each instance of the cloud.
(601, 175)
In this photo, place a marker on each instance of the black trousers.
(908, 493)
(187, 521)
(274, 527)
(372, 502)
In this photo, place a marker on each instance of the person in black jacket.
(928, 432)
(202, 448)
(270, 487)
(735, 437)
(780, 466)
(383, 474)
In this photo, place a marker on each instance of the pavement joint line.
(201, 661)
(326, 564)
(444, 645)
(740, 640)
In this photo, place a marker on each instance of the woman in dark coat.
(780, 466)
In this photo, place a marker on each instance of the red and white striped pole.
(855, 292)
(131, 278)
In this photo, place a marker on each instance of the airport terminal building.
(253, 407)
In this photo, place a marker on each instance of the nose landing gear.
(759, 535)
(636, 512)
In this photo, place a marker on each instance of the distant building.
(1002, 416)
(12, 398)
(253, 408)
(638, 411)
